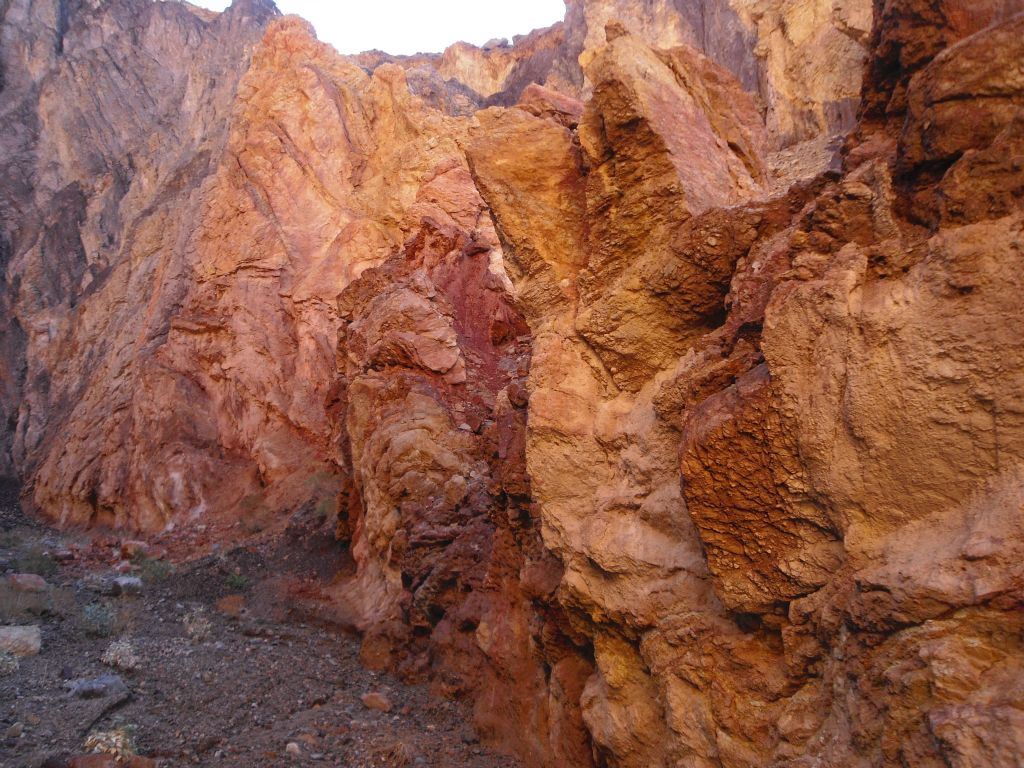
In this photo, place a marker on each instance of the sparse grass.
(236, 581)
(399, 754)
(36, 561)
(197, 625)
(99, 620)
(153, 571)
(17, 606)
(8, 664)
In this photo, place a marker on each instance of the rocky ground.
(203, 666)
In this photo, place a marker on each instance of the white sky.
(413, 26)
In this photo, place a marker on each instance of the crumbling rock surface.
(661, 445)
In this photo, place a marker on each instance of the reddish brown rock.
(28, 583)
(544, 102)
(907, 36)
(760, 489)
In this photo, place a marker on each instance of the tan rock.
(21, 641)
(376, 701)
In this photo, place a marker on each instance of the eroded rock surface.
(658, 428)
(803, 59)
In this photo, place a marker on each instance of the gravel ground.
(214, 673)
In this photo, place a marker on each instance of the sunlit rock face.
(803, 59)
(662, 367)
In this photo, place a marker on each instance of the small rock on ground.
(25, 582)
(127, 585)
(21, 642)
(376, 701)
(99, 687)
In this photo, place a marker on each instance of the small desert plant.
(16, 605)
(120, 743)
(98, 620)
(36, 561)
(153, 571)
(121, 655)
(197, 625)
(8, 664)
(398, 754)
(236, 581)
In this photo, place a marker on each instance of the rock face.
(803, 59)
(657, 428)
(122, 112)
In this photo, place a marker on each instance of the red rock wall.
(662, 444)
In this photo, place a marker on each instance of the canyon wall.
(802, 57)
(657, 426)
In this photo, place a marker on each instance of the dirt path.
(211, 672)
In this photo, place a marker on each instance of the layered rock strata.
(663, 446)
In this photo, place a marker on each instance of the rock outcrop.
(121, 110)
(803, 59)
(656, 426)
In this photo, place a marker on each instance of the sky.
(415, 26)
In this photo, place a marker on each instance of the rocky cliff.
(661, 369)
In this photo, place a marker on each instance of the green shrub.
(237, 581)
